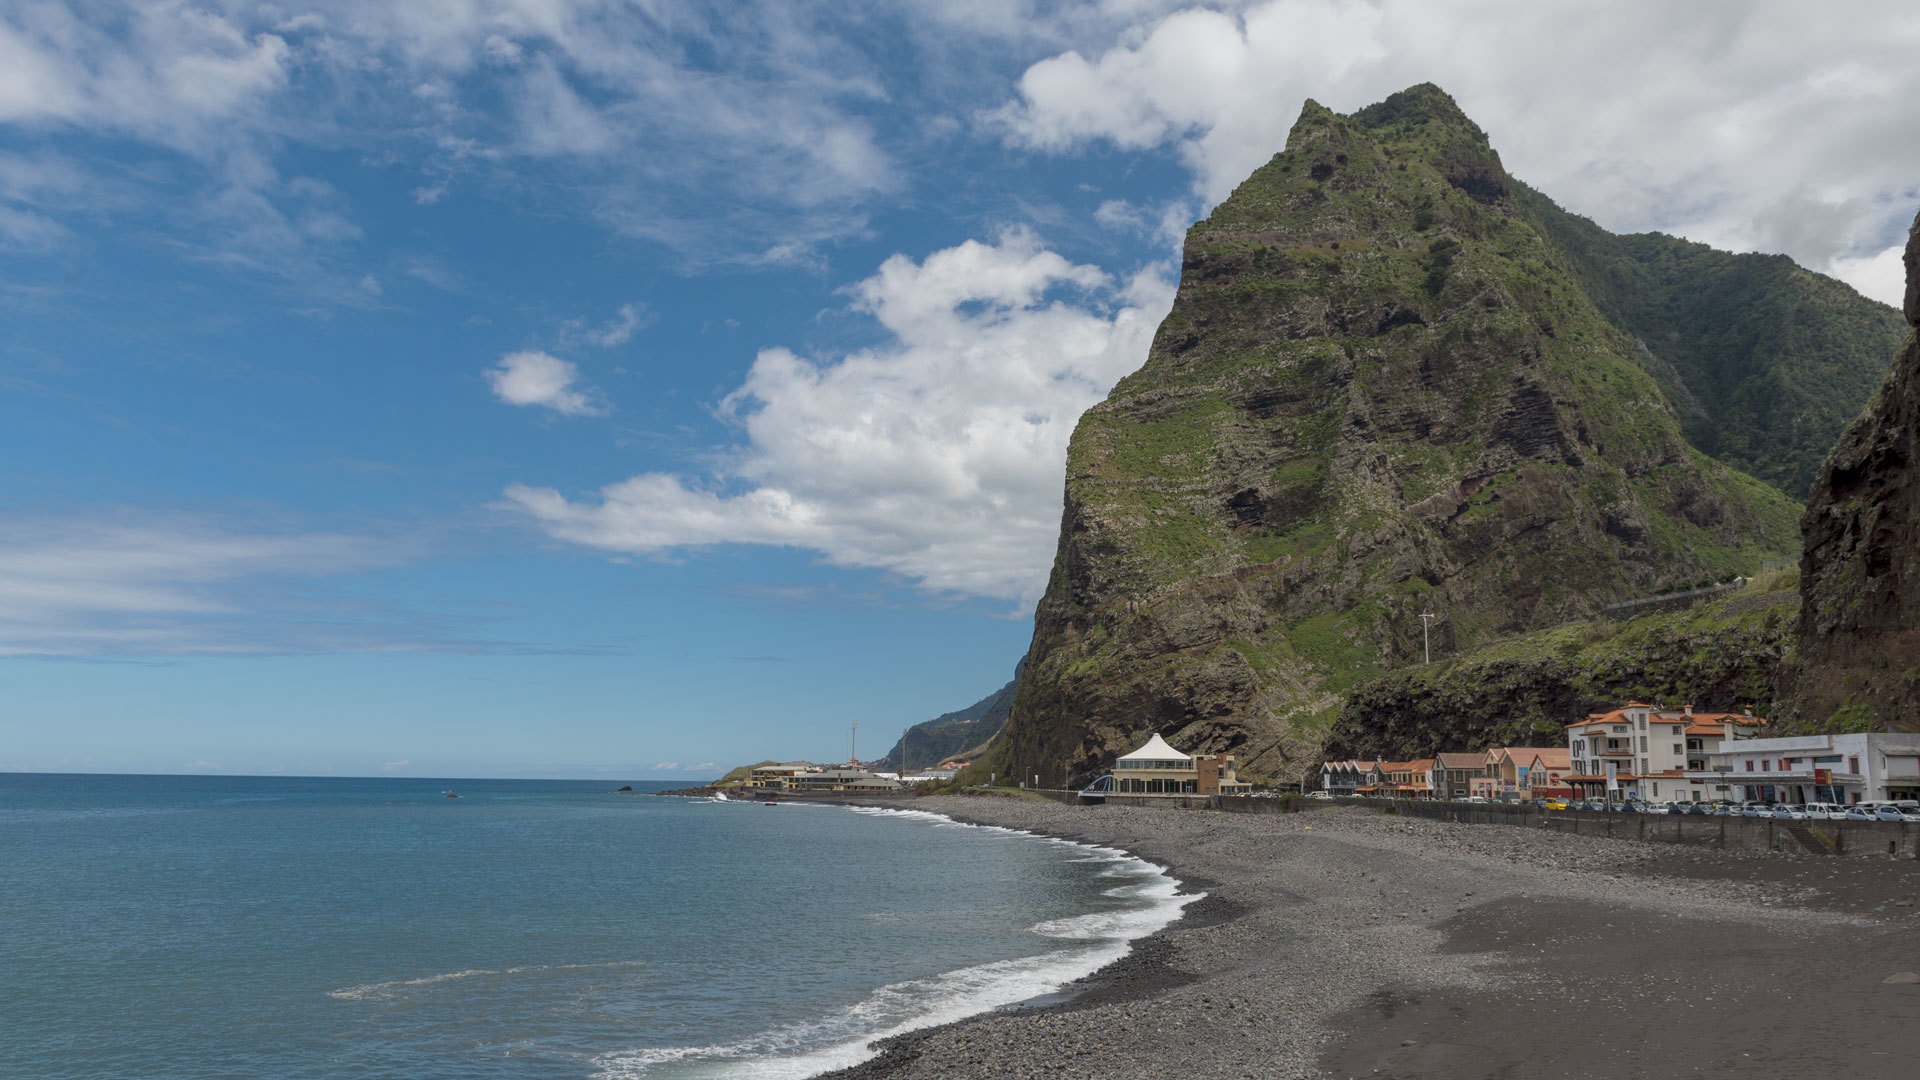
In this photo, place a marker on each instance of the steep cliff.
(1720, 656)
(1381, 392)
(1858, 666)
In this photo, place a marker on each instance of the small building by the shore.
(806, 776)
(781, 775)
(1158, 769)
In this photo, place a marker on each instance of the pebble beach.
(1343, 942)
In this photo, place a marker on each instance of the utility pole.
(1426, 642)
(853, 746)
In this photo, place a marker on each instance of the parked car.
(1474, 799)
(1756, 809)
(1821, 811)
(1556, 804)
(1319, 794)
(1858, 813)
(1889, 812)
(1788, 812)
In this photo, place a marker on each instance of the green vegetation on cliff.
(1383, 390)
(1523, 691)
(1766, 361)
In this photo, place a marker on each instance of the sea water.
(214, 927)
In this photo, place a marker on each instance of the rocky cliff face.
(1859, 659)
(1381, 392)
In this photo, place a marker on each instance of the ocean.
(257, 927)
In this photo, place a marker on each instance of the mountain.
(1858, 666)
(1766, 362)
(1383, 390)
(953, 734)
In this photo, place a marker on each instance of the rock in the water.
(1859, 655)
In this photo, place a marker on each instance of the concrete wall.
(1862, 839)
(1882, 839)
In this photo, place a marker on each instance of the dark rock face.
(1380, 393)
(1859, 657)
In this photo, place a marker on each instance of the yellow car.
(1556, 804)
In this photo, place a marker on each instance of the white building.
(1641, 752)
(1814, 768)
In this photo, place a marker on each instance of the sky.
(633, 390)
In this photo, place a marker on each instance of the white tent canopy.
(1155, 750)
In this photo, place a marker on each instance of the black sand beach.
(1345, 943)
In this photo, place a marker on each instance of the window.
(1766, 766)
(1678, 750)
(1643, 743)
(1749, 766)
(1853, 766)
(1676, 729)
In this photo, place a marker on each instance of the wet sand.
(1345, 943)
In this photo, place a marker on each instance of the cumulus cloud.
(1754, 126)
(536, 378)
(937, 455)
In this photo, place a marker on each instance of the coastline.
(1347, 943)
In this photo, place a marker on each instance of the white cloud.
(665, 766)
(392, 765)
(161, 586)
(705, 766)
(536, 378)
(627, 320)
(201, 766)
(937, 455)
(1882, 276)
(1753, 126)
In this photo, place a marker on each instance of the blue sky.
(558, 387)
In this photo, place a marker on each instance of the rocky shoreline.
(1345, 943)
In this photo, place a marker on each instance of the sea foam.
(1085, 944)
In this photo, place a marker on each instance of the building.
(778, 776)
(1642, 752)
(1159, 769)
(1453, 774)
(1523, 772)
(806, 776)
(839, 780)
(1813, 768)
(1347, 777)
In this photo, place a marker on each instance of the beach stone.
(1902, 977)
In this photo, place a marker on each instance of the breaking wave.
(1080, 946)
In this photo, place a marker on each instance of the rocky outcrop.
(1381, 393)
(1859, 660)
(1720, 657)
